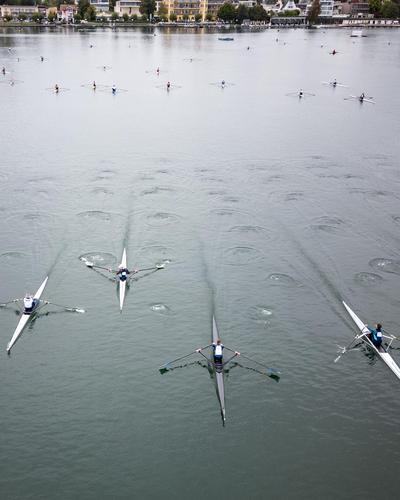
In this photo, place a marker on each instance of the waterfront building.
(67, 12)
(326, 8)
(16, 10)
(100, 5)
(129, 7)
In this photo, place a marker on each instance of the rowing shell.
(25, 318)
(122, 284)
(219, 375)
(380, 351)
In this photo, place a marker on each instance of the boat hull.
(379, 351)
(219, 374)
(26, 317)
(122, 284)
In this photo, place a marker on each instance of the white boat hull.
(381, 352)
(25, 318)
(219, 376)
(122, 284)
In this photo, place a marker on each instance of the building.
(129, 7)
(16, 10)
(100, 5)
(67, 12)
(326, 8)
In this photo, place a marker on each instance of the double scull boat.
(381, 351)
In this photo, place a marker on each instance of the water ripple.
(282, 279)
(160, 219)
(241, 256)
(385, 265)
(366, 278)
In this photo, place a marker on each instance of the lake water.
(267, 208)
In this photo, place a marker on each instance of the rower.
(42, 58)
(361, 98)
(301, 93)
(56, 88)
(223, 83)
(333, 52)
(29, 303)
(218, 351)
(114, 89)
(375, 335)
(123, 273)
(168, 85)
(158, 71)
(334, 83)
(94, 85)
(3, 70)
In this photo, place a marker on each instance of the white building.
(16, 10)
(129, 7)
(100, 5)
(326, 8)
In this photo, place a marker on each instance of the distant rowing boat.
(363, 335)
(226, 39)
(28, 316)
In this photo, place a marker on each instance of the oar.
(157, 266)
(177, 359)
(72, 309)
(92, 265)
(271, 370)
(9, 302)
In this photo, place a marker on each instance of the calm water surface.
(267, 208)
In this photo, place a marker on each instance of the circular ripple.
(160, 219)
(282, 279)
(386, 265)
(99, 258)
(396, 218)
(102, 190)
(157, 254)
(241, 256)
(231, 199)
(216, 193)
(9, 256)
(366, 278)
(327, 224)
(294, 196)
(96, 214)
(226, 212)
(260, 313)
(160, 309)
(157, 190)
(248, 229)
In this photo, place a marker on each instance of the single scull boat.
(364, 337)
(219, 373)
(122, 283)
(27, 316)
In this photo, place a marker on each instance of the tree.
(22, 16)
(37, 17)
(52, 16)
(147, 8)
(390, 10)
(172, 18)
(125, 17)
(7, 18)
(242, 13)
(314, 12)
(82, 6)
(226, 12)
(258, 13)
(134, 18)
(90, 13)
(209, 16)
(375, 6)
(198, 18)
(162, 11)
(114, 17)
